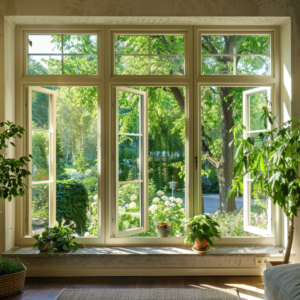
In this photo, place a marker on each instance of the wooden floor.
(250, 288)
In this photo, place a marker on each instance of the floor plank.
(250, 288)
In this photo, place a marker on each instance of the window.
(141, 134)
(149, 55)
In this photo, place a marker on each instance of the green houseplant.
(12, 276)
(272, 157)
(43, 240)
(203, 231)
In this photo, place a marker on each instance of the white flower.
(182, 209)
(155, 200)
(172, 199)
(167, 203)
(153, 207)
(126, 224)
(179, 201)
(121, 209)
(94, 204)
(165, 198)
(160, 193)
(167, 209)
(87, 234)
(96, 197)
(133, 197)
(132, 205)
(179, 205)
(172, 204)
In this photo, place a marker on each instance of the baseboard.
(89, 272)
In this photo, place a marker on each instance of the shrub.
(10, 266)
(72, 202)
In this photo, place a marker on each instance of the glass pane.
(167, 65)
(44, 64)
(83, 64)
(40, 153)
(80, 44)
(129, 157)
(129, 112)
(131, 44)
(253, 44)
(131, 65)
(40, 207)
(217, 65)
(258, 209)
(217, 44)
(40, 110)
(215, 137)
(44, 44)
(253, 65)
(129, 209)
(257, 102)
(167, 44)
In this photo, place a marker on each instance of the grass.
(69, 170)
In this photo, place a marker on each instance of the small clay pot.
(200, 245)
(43, 247)
(164, 229)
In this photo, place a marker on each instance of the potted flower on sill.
(12, 276)
(203, 231)
(43, 240)
(272, 158)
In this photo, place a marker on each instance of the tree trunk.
(290, 241)
(224, 170)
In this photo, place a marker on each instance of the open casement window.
(131, 160)
(42, 146)
(253, 101)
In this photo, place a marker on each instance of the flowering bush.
(40, 175)
(93, 217)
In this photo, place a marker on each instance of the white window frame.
(106, 82)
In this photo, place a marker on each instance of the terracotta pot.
(200, 245)
(43, 247)
(164, 229)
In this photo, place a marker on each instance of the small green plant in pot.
(203, 231)
(63, 237)
(43, 240)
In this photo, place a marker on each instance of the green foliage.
(204, 228)
(42, 239)
(10, 266)
(81, 165)
(63, 236)
(272, 159)
(61, 173)
(72, 202)
(12, 171)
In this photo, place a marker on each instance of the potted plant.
(12, 276)
(12, 173)
(43, 240)
(203, 231)
(62, 237)
(272, 157)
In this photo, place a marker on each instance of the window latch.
(196, 162)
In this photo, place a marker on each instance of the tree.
(60, 166)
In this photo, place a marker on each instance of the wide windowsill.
(272, 252)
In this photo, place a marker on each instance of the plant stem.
(290, 241)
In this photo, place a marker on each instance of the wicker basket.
(12, 283)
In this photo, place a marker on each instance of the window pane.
(217, 65)
(40, 206)
(129, 157)
(257, 102)
(131, 44)
(42, 64)
(80, 44)
(253, 44)
(217, 44)
(253, 65)
(167, 44)
(40, 153)
(82, 65)
(44, 44)
(218, 159)
(40, 110)
(129, 209)
(131, 65)
(258, 209)
(128, 112)
(167, 65)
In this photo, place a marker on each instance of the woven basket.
(12, 283)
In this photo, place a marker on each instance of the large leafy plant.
(10, 266)
(12, 171)
(272, 159)
(204, 228)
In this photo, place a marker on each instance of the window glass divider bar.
(232, 54)
(154, 55)
(130, 181)
(62, 54)
(131, 134)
